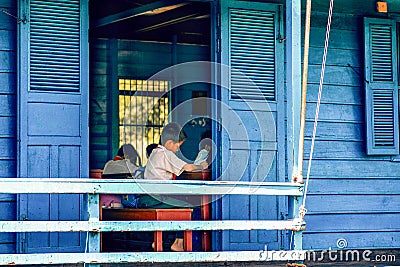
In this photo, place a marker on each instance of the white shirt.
(162, 164)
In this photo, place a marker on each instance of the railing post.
(93, 242)
(296, 202)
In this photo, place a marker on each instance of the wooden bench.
(128, 214)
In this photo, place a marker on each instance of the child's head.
(172, 136)
(150, 148)
(206, 144)
(127, 151)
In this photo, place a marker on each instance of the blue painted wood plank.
(349, 95)
(8, 39)
(354, 169)
(8, 22)
(357, 186)
(7, 248)
(334, 223)
(378, 240)
(335, 75)
(8, 197)
(7, 147)
(7, 238)
(7, 210)
(333, 112)
(8, 168)
(335, 149)
(353, 203)
(338, 38)
(8, 4)
(347, 20)
(336, 57)
(337, 130)
(8, 83)
(8, 61)
(8, 105)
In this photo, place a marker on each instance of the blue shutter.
(52, 114)
(381, 87)
(54, 45)
(252, 50)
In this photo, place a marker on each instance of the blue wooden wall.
(110, 59)
(8, 102)
(351, 196)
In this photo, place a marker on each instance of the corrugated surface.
(54, 45)
(252, 37)
(381, 46)
(383, 111)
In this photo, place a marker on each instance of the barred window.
(143, 110)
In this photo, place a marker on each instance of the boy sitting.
(163, 164)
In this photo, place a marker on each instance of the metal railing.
(94, 187)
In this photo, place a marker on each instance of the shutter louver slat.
(55, 45)
(383, 118)
(381, 53)
(252, 53)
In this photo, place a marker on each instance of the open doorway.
(130, 41)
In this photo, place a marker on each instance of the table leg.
(158, 241)
(205, 215)
(187, 239)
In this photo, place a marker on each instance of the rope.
(303, 210)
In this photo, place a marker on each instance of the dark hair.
(150, 148)
(174, 132)
(129, 152)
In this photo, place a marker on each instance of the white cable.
(321, 82)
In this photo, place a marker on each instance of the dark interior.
(146, 20)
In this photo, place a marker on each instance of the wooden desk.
(126, 214)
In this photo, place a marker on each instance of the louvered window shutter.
(252, 53)
(54, 45)
(381, 84)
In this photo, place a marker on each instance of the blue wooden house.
(74, 86)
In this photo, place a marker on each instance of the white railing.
(94, 187)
